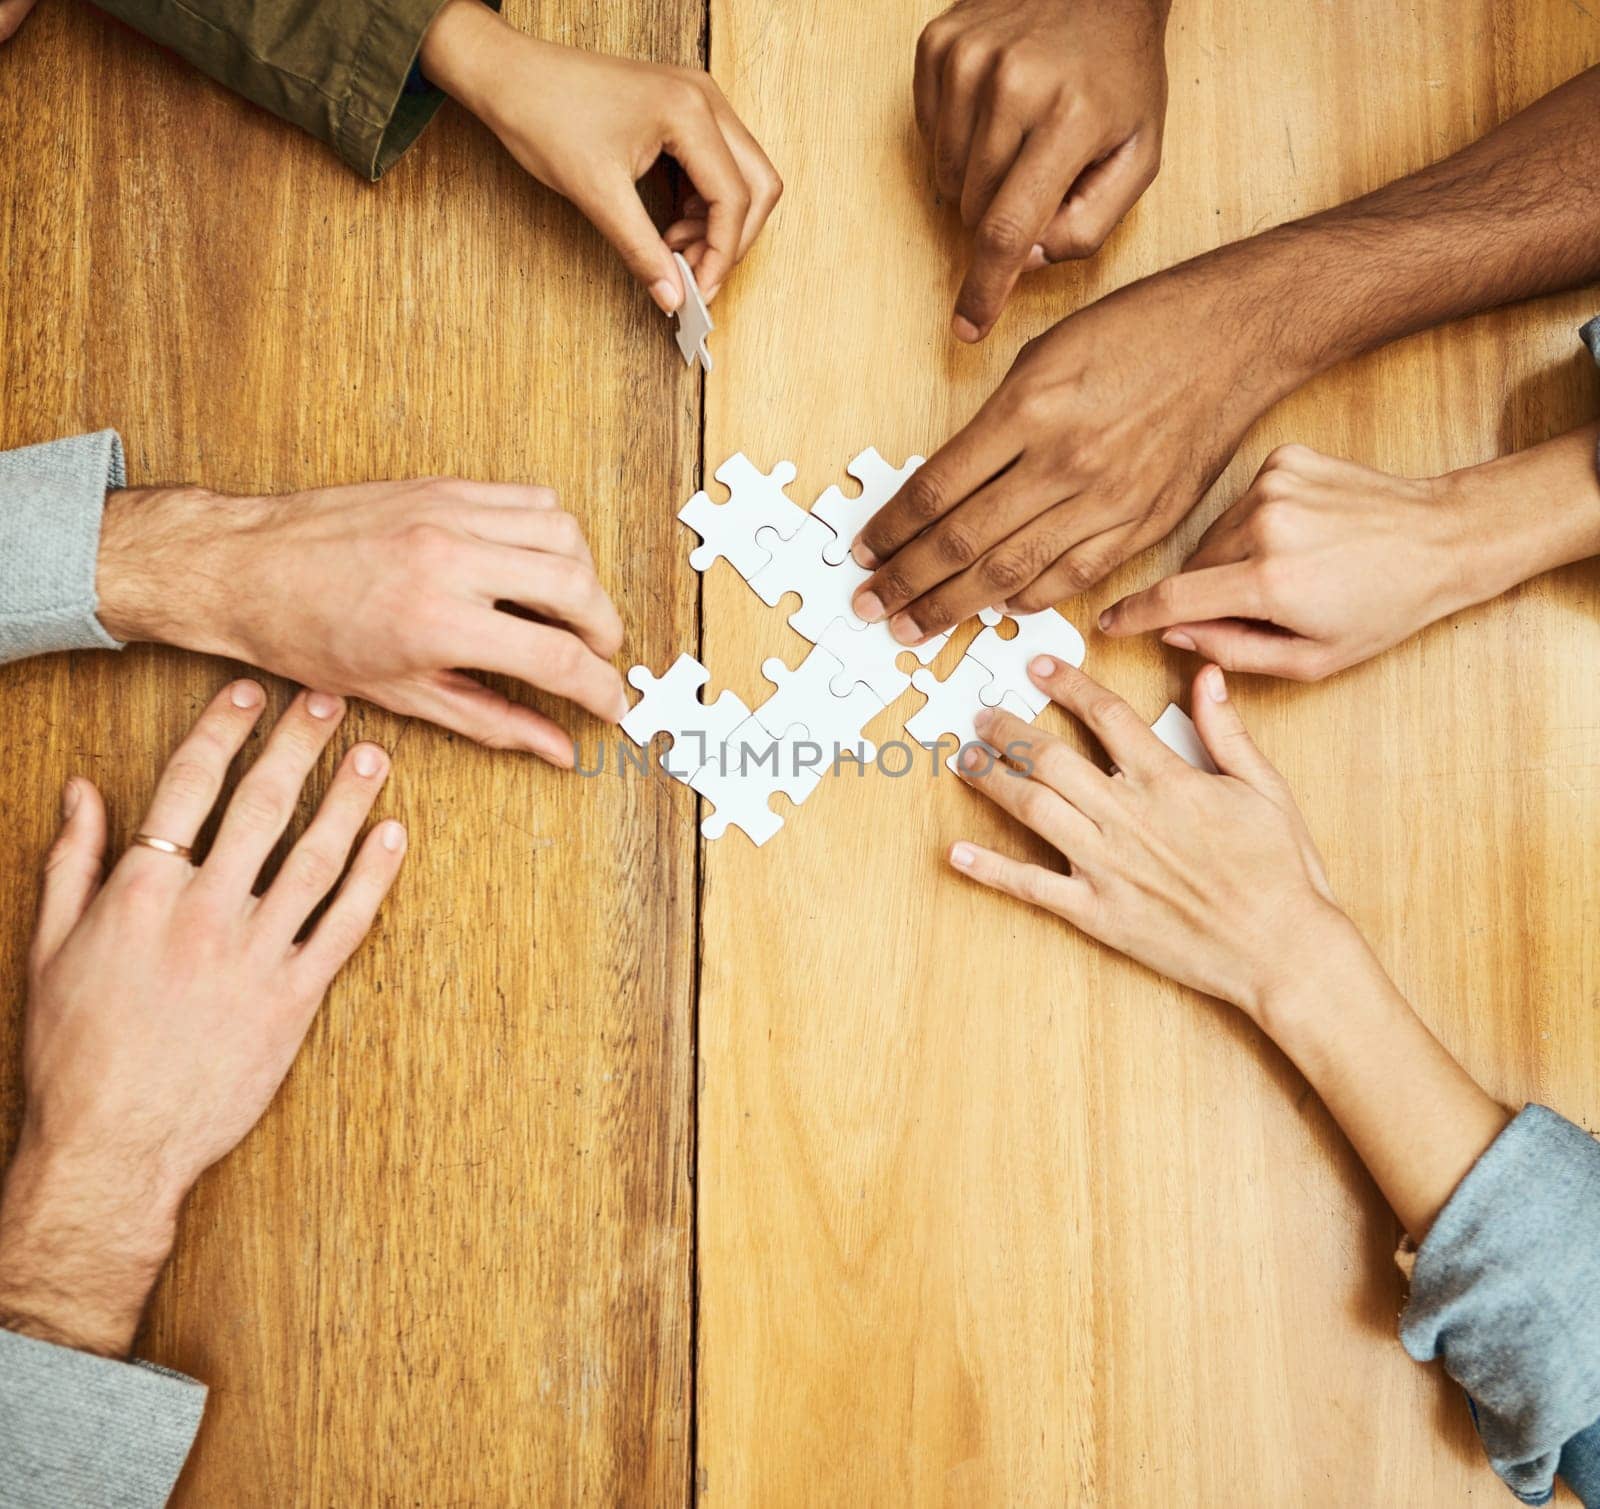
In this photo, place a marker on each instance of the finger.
(556, 588)
(550, 658)
(1031, 802)
(189, 786)
(12, 14)
(1122, 733)
(349, 919)
(1008, 232)
(72, 869)
(696, 140)
(682, 234)
(319, 857)
(761, 178)
(1051, 761)
(617, 212)
(1068, 896)
(1215, 592)
(1079, 566)
(997, 138)
(974, 455)
(1227, 740)
(267, 796)
(1104, 192)
(511, 497)
(926, 76)
(961, 75)
(552, 531)
(455, 701)
(1260, 649)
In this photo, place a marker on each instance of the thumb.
(1222, 731)
(72, 868)
(618, 213)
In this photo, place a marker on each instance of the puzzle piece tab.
(756, 501)
(846, 517)
(671, 704)
(954, 704)
(1046, 633)
(800, 565)
(694, 319)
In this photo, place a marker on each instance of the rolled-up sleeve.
(336, 68)
(1506, 1291)
(52, 498)
(84, 1430)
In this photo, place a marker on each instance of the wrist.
(81, 1245)
(458, 53)
(166, 571)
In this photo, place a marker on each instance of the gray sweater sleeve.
(1506, 1290)
(86, 1431)
(51, 500)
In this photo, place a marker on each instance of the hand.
(1323, 563)
(381, 590)
(167, 1001)
(1045, 119)
(12, 14)
(1212, 880)
(590, 126)
(1102, 436)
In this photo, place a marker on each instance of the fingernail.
(392, 836)
(984, 721)
(1041, 666)
(367, 761)
(903, 629)
(863, 557)
(963, 856)
(1036, 258)
(964, 329)
(1216, 687)
(665, 294)
(245, 694)
(868, 607)
(1105, 619)
(622, 706)
(974, 757)
(70, 797)
(321, 705)
(708, 294)
(1177, 639)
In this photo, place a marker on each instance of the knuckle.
(954, 545)
(894, 586)
(428, 545)
(190, 777)
(1290, 457)
(1007, 572)
(923, 496)
(1001, 235)
(563, 660)
(314, 870)
(1080, 571)
(1014, 73)
(259, 805)
(1032, 599)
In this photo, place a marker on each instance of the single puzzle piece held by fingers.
(694, 319)
(1046, 633)
(1176, 730)
(847, 517)
(869, 656)
(953, 706)
(756, 501)
(800, 565)
(671, 704)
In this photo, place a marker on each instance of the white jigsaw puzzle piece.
(953, 706)
(800, 565)
(869, 655)
(671, 704)
(756, 501)
(1046, 633)
(805, 699)
(847, 517)
(737, 801)
(694, 319)
(1176, 730)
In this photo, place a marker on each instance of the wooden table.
(621, 1167)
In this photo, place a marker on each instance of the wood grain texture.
(453, 1263)
(987, 1214)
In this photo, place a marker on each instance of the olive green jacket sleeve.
(335, 68)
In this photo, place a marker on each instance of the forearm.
(1513, 216)
(81, 1246)
(1415, 1117)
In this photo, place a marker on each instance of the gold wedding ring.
(163, 845)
